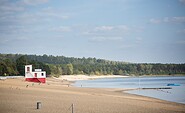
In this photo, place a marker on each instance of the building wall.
(28, 71)
(30, 68)
(40, 74)
(30, 74)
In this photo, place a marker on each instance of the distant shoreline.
(91, 77)
(86, 77)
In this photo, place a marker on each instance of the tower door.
(35, 75)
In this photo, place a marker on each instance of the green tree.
(120, 72)
(69, 69)
(56, 70)
(7, 67)
(3, 68)
(83, 65)
(11, 67)
(20, 64)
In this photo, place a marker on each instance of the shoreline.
(125, 90)
(73, 78)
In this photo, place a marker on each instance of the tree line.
(13, 64)
(9, 67)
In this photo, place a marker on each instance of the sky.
(137, 31)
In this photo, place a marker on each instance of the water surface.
(176, 94)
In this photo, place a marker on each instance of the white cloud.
(139, 40)
(62, 29)
(182, 1)
(102, 39)
(183, 31)
(11, 29)
(178, 19)
(18, 12)
(168, 20)
(5, 39)
(22, 38)
(155, 21)
(31, 17)
(34, 2)
(111, 28)
(11, 8)
(104, 28)
(116, 31)
(53, 13)
(123, 27)
(174, 19)
(126, 46)
(181, 42)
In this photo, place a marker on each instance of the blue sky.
(139, 31)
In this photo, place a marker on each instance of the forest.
(13, 64)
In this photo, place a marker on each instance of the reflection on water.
(176, 94)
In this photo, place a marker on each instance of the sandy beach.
(57, 95)
(85, 77)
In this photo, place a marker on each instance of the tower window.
(28, 69)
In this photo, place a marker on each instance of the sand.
(85, 77)
(56, 96)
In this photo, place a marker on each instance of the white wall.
(30, 66)
(31, 74)
(39, 74)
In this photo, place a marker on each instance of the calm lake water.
(176, 94)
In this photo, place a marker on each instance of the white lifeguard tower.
(34, 76)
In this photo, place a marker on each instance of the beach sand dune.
(57, 96)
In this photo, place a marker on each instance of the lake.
(175, 94)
